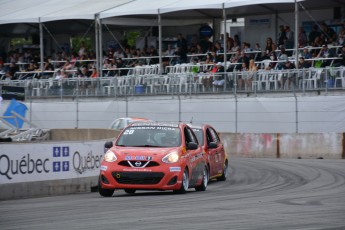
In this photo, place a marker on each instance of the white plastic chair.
(341, 78)
(313, 78)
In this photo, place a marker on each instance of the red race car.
(217, 160)
(154, 156)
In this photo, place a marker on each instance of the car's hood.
(143, 151)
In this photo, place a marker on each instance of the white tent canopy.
(35, 11)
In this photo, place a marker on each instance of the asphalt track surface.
(258, 194)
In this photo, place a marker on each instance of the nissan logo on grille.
(137, 163)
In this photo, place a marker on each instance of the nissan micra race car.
(154, 156)
(217, 160)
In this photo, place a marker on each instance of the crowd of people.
(241, 55)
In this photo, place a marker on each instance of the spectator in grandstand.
(243, 58)
(258, 52)
(313, 34)
(302, 37)
(170, 51)
(8, 76)
(235, 47)
(60, 74)
(84, 72)
(181, 56)
(48, 66)
(3, 68)
(325, 53)
(219, 52)
(209, 58)
(240, 77)
(32, 67)
(206, 44)
(252, 70)
(219, 79)
(82, 50)
(341, 38)
(281, 36)
(248, 50)
(270, 46)
(13, 68)
(94, 73)
(341, 54)
(305, 53)
(68, 65)
(182, 44)
(330, 35)
(154, 54)
(282, 58)
(290, 40)
(272, 63)
(237, 40)
(303, 64)
(286, 80)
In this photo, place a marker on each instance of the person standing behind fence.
(252, 70)
(290, 39)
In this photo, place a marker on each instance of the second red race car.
(217, 160)
(154, 156)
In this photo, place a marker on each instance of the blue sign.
(60, 152)
(206, 31)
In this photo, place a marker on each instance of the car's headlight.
(110, 156)
(172, 157)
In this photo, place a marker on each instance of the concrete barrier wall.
(87, 146)
(81, 134)
(299, 145)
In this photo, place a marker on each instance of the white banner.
(49, 161)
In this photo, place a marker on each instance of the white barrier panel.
(49, 161)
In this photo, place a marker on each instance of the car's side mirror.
(212, 145)
(108, 144)
(192, 146)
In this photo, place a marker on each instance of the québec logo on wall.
(60, 159)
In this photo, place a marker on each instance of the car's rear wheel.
(225, 171)
(130, 191)
(205, 178)
(185, 183)
(105, 192)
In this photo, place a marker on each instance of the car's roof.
(197, 126)
(168, 124)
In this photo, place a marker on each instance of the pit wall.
(298, 145)
(70, 161)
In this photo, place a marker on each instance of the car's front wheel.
(205, 178)
(105, 192)
(185, 182)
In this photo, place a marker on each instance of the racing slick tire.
(185, 183)
(105, 192)
(205, 178)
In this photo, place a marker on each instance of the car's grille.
(138, 164)
(138, 177)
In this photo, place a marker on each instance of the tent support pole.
(41, 46)
(224, 37)
(160, 42)
(296, 34)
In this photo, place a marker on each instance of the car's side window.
(189, 136)
(121, 124)
(209, 136)
(214, 135)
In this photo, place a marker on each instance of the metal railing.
(186, 82)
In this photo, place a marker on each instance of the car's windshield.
(150, 136)
(199, 135)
